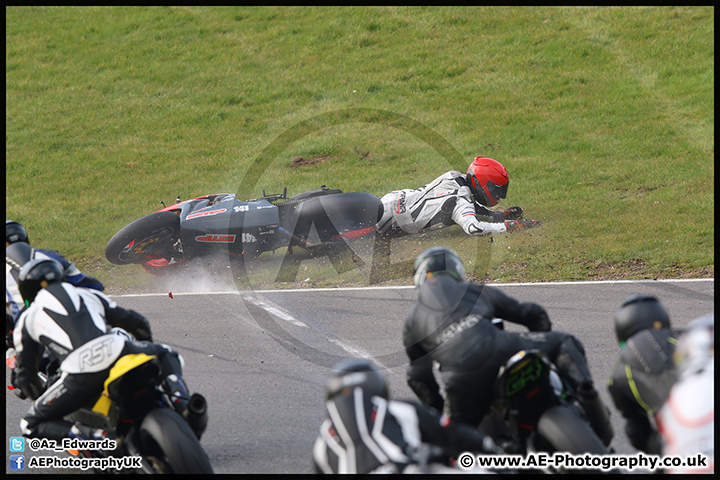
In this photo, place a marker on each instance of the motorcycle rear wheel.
(168, 439)
(151, 236)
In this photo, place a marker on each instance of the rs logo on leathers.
(95, 355)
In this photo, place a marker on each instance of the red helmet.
(488, 180)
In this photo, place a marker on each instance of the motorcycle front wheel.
(152, 236)
(168, 439)
(562, 430)
(567, 432)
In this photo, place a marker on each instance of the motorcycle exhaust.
(196, 414)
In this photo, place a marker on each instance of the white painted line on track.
(407, 287)
(272, 308)
(355, 352)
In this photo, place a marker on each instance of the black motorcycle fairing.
(333, 217)
(229, 226)
(539, 410)
(212, 225)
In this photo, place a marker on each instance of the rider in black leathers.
(450, 327)
(366, 432)
(644, 372)
(74, 325)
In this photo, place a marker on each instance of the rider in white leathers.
(687, 419)
(454, 198)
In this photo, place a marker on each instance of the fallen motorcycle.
(539, 410)
(222, 224)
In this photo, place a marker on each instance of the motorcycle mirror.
(162, 203)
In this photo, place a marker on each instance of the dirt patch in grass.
(297, 162)
(633, 268)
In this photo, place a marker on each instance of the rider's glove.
(527, 223)
(24, 389)
(20, 394)
(535, 317)
(512, 225)
(140, 327)
(513, 213)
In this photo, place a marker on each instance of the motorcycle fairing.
(229, 225)
(111, 392)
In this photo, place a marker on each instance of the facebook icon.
(17, 462)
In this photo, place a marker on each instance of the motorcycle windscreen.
(525, 386)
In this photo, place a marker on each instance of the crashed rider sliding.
(454, 198)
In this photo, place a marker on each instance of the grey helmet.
(437, 260)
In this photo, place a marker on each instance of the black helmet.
(356, 372)
(38, 274)
(14, 232)
(17, 255)
(437, 260)
(639, 312)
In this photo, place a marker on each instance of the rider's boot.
(597, 412)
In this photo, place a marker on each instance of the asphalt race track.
(261, 358)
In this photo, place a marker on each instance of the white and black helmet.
(696, 345)
(356, 372)
(436, 260)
